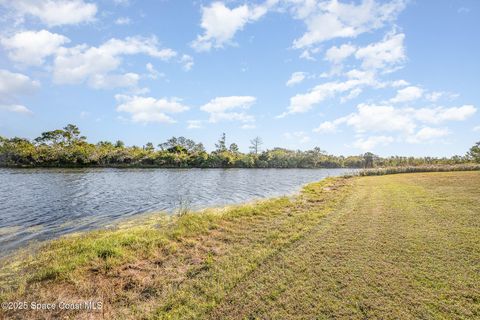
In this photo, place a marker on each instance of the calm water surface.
(40, 204)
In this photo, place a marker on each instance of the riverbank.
(402, 246)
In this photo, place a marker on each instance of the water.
(40, 204)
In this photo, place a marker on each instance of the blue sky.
(392, 77)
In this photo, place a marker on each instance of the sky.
(397, 77)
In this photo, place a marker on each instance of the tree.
(72, 135)
(474, 152)
(255, 145)
(222, 144)
(149, 146)
(181, 143)
(234, 148)
(368, 158)
(54, 137)
(119, 144)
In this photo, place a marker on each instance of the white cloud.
(295, 78)
(304, 102)
(326, 127)
(402, 121)
(17, 108)
(441, 114)
(299, 136)
(152, 72)
(12, 87)
(15, 84)
(327, 20)
(371, 142)
(194, 124)
(434, 96)
(338, 54)
(399, 83)
(148, 109)
(109, 81)
(220, 23)
(54, 12)
(427, 134)
(307, 54)
(386, 55)
(476, 129)
(82, 63)
(187, 62)
(351, 95)
(123, 21)
(374, 118)
(32, 47)
(407, 94)
(226, 108)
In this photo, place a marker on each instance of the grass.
(402, 246)
(423, 168)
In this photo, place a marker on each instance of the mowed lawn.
(401, 247)
(404, 246)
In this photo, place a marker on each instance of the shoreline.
(157, 267)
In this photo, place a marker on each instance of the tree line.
(68, 148)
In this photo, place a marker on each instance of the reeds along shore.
(412, 169)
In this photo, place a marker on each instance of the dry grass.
(142, 267)
(386, 247)
(423, 168)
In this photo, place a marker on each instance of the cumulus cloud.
(377, 57)
(386, 55)
(332, 19)
(187, 62)
(296, 78)
(221, 23)
(327, 126)
(375, 118)
(16, 108)
(12, 87)
(351, 95)
(83, 63)
(434, 96)
(32, 47)
(442, 114)
(152, 72)
(399, 83)
(338, 54)
(149, 109)
(110, 81)
(304, 102)
(428, 134)
(54, 12)
(371, 118)
(407, 94)
(229, 108)
(370, 143)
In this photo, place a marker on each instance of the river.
(41, 204)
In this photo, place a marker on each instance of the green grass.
(382, 247)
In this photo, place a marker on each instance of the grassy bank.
(401, 246)
(412, 169)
